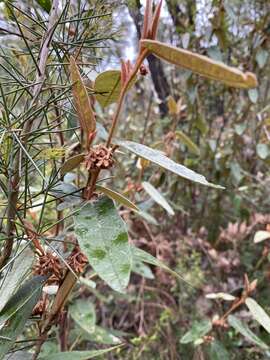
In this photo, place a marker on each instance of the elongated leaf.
(258, 313)
(261, 236)
(20, 298)
(16, 323)
(82, 100)
(99, 335)
(201, 65)
(246, 332)
(77, 355)
(117, 197)
(103, 238)
(188, 142)
(20, 268)
(157, 197)
(107, 87)
(160, 159)
(71, 163)
(198, 330)
(45, 4)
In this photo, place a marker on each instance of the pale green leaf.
(253, 95)
(157, 197)
(258, 313)
(83, 313)
(103, 238)
(217, 351)
(246, 332)
(197, 331)
(71, 163)
(192, 147)
(142, 269)
(261, 236)
(262, 151)
(220, 295)
(160, 159)
(77, 355)
(201, 65)
(117, 197)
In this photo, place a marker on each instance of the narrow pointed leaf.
(258, 313)
(261, 236)
(72, 163)
(14, 327)
(81, 99)
(77, 355)
(246, 332)
(201, 65)
(157, 197)
(16, 275)
(103, 238)
(198, 330)
(184, 139)
(160, 159)
(117, 197)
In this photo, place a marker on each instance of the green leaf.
(103, 238)
(201, 65)
(107, 87)
(17, 273)
(218, 352)
(83, 313)
(261, 57)
(258, 313)
(81, 100)
(117, 197)
(188, 142)
(157, 197)
(77, 355)
(253, 95)
(246, 332)
(261, 236)
(16, 323)
(262, 151)
(160, 159)
(198, 330)
(71, 163)
(141, 269)
(45, 4)
(20, 298)
(99, 335)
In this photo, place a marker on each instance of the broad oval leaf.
(81, 99)
(258, 313)
(217, 351)
(201, 65)
(117, 197)
(261, 236)
(72, 163)
(197, 331)
(77, 355)
(160, 159)
(16, 323)
(246, 332)
(192, 147)
(83, 313)
(107, 87)
(157, 197)
(103, 238)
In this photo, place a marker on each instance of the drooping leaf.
(217, 351)
(72, 163)
(20, 298)
(157, 197)
(16, 322)
(77, 355)
(160, 159)
(45, 4)
(142, 269)
(81, 99)
(117, 197)
(201, 65)
(246, 332)
(197, 331)
(258, 313)
(192, 147)
(17, 273)
(103, 238)
(261, 236)
(107, 87)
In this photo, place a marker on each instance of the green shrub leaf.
(157, 197)
(197, 331)
(258, 313)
